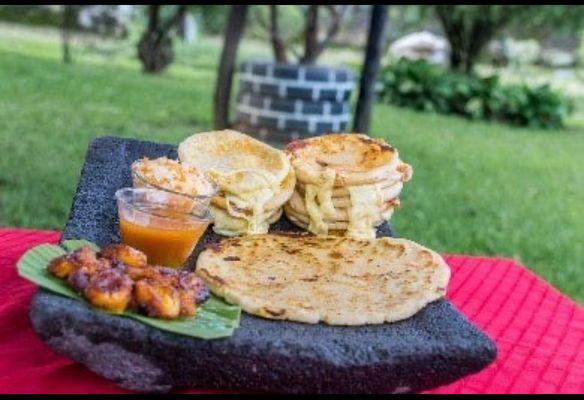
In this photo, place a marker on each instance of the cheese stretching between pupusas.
(246, 194)
(254, 202)
(319, 202)
(223, 227)
(363, 211)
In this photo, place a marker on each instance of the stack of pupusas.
(253, 178)
(346, 183)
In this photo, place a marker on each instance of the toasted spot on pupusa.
(355, 159)
(228, 152)
(336, 280)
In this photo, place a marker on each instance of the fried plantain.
(192, 291)
(84, 256)
(188, 304)
(138, 273)
(157, 298)
(126, 254)
(109, 289)
(79, 279)
(189, 281)
(152, 272)
(118, 278)
(62, 267)
(168, 276)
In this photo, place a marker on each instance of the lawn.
(478, 188)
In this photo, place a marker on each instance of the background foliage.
(425, 87)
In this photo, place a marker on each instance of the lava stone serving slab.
(436, 346)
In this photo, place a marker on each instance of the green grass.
(478, 188)
(482, 188)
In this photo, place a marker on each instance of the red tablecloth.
(539, 331)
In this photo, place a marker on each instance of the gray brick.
(324, 127)
(329, 94)
(312, 108)
(259, 69)
(286, 72)
(301, 125)
(269, 89)
(317, 75)
(299, 93)
(283, 105)
(267, 121)
(343, 76)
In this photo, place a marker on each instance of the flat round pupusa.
(336, 280)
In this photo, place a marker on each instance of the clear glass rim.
(204, 216)
(142, 179)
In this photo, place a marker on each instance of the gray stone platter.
(435, 347)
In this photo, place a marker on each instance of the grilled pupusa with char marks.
(118, 278)
(336, 280)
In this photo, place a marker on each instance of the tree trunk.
(453, 26)
(468, 32)
(155, 46)
(233, 33)
(313, 47)
(481, 32)
(278, 45)
(67, 23)
(311, 36)
(375, 45)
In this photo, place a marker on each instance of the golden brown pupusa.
(337, 280)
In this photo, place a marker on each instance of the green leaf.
(71, 245)
(215, 318)
(32, 266)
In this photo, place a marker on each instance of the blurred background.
(485, 102)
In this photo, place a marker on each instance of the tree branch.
(337, 16)
(153, 11)
(314, 47)
(375, 43)
(234, 30)
(295, 53)
(311, 35)
(278, 44)
(175, 19)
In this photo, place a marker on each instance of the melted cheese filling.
(363, 211)
(256, 216)
(223, 226)
(319, 203)
(246, 194)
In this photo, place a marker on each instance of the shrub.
(425, 87)
(31, 14)
(211, 17)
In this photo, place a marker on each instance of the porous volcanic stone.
(436, 346)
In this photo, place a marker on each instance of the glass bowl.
(165, 225)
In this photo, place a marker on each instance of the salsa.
(165, 237)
